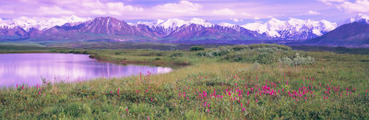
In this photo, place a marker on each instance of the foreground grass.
(334, 87)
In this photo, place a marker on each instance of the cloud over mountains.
(237, 10)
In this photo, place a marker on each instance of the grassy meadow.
(261, 81)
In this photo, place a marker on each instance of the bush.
(197, 48)
(221, 51)
(281, 47)
(117, 53)
(263, 58)
(297, 60)
(176, 55)
(215, 53)
(246, 51)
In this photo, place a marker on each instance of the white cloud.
(91, 4)
(236, 20)
(312, 12)
(224, 12)
(54, 10)
(118, 6)
(357, 6)
(6, 11)
(98, 12)
(329, 2)
(75, 7)
(181, 7)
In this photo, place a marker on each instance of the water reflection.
(55, 67)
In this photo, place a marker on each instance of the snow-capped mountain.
(229, 25)
(41, 23)
(108, 28)
(358, 18)
(352, 34)
(224, 24)
(101, 28)
(176, 23)
(292, 29)
(170, 25)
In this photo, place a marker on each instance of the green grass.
(333, 87)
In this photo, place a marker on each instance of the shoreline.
(121, 63)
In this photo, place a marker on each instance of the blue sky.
(234, 11)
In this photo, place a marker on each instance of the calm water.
(29, 68)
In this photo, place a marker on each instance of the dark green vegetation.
(197, 48)
(229, 82)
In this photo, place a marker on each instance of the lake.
(31, 68)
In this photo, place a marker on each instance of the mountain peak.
(275, 20)
(360, 18)
(200, 21)
(176, 23)
(41, 23)
(295, 21)
(225, 24)
(172, 23)
(105, 19)
(291, 29)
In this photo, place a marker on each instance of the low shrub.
(176, 55)
(297, 60)
(197, 48)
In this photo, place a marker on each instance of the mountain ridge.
(198, 30)
(119, 30)
(355, 33)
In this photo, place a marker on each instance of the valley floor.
(229, 82)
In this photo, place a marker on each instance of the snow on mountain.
(229, 25)
(201, 22)
(291, 28)
(329, 26)
(176, 23)
(40, 23)
(170, 25)
(2, 23)
(358, 18)
(224, 24)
